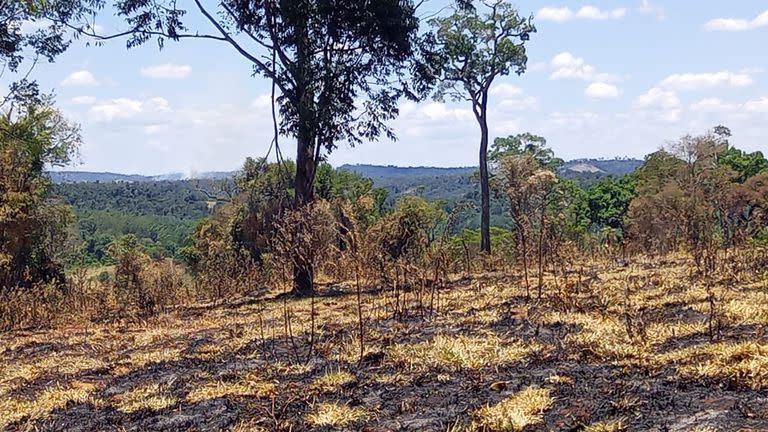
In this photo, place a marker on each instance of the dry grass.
(335, 415)
(482, 333)
(333, 381)
(744, 363)
(55, 397)
(462, 352)
(513, 414)
(154, 397)
(606, 426)
(250, 385)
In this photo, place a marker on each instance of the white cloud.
(505, 91)
(166, 71)
(83, 100)
(760, 106)
(568, 66)
(717, 105)
(737, 24)
(601, 90)
(157, 104)
(646, 8)
(436, 111)
(660, 104)
(697, 81)
(126, 108)
(81, 78)
(591, 12)
(575, 120)
(155, 129)
(658, 98)
(262, 102)
(528, 103)
(554, 14)
(712, 105)
(563, 14)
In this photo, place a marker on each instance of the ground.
(642, 345)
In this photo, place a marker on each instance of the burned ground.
(643, 346)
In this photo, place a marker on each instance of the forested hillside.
(162, 214)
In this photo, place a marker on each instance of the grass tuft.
(516, 412)
(462, 352)
(335, 415)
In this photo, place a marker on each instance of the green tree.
(609, 202)
(525, 143)
(20, 49)
(468, 51)
(32, 225)
(323, 57)
(745, 165)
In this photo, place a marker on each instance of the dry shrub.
(304, 237)
(225, 274)
(32, 307)
(401, 238)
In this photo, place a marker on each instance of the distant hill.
(590, 171)
(381, 171)
(62, 177)
(429, 182)
(166, 207)
(614, 167)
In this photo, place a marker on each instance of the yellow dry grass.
(152, 397)
(518, 411)
(744, 363)
(333, 381)
(475, 327)
(606, 426)
(55, 397)
(249, 385)
(462, 352)
(335, 415)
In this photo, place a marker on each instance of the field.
(645, 345)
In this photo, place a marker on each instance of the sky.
(604, 79)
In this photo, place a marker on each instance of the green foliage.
(744, 164)
(408, 230)
(569, 210)
(182, 199)
(659, 167)
(525, 143)
(161, 214)
(160, 235)
(33, 227)
(609, 202)
(469, 49)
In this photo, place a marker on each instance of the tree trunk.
(303, 284)
(485, 189)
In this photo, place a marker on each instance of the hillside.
(164, 209)
(60, 177)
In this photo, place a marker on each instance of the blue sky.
(605, 79)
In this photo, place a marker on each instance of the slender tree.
(337, 66)
(466, 52)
